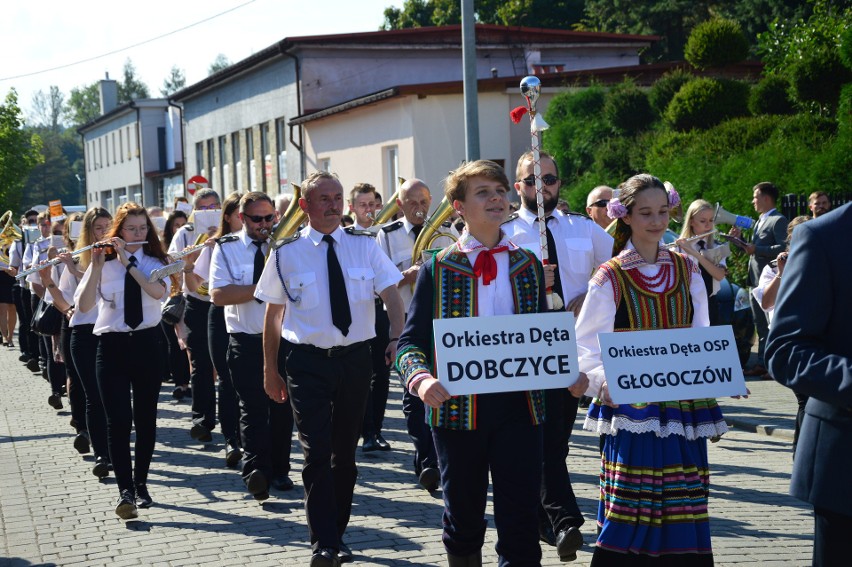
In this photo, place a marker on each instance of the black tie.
(259, 260)
(132, 297)
(416, 228)
(553, 258)
(340, 314)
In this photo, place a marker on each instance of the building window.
(222, 162)
(129, 145)
(121, 146)
(250, 158)
(211, 163)
(114, 151)
(136, 137)
(106, 143)
(281, 148)
(88, 156)
(100, 162)
(235, 159)
(267, 158)
(324, 164)
(199, 159)
(391, 159)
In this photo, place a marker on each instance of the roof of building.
(642, 75)
(121, 109)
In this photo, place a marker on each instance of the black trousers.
(328, 397)
(377, 401)
(33, 341)
(55, 370)
(201, 374)
(508, 445)
(76, 394)
(84, 351)
(558, 502)
(130, 388)
(762, 326)
(229, 404)
(415, 422)
(178, 363)
(265, 426)
(831, 533)
(23, 322)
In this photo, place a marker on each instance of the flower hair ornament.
(674, 198)
(614, 209)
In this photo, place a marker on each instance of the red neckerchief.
(485, 265)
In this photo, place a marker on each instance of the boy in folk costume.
(481, 275)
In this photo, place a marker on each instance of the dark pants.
(801, 402)
(265, 426)
(129, 382)
(377, 401)
(229, 404)
(415, 422)
(762, 326)
(558, 503)
(506, 443)
(23, 322)
(55, 370)
(328, 397)
(178, 363)
(32, 338)
(201, 376)
(84, 350)
(76, 394)
(831, 531)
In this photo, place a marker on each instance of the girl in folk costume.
(481, 275)
(654, 474)
(127, 325)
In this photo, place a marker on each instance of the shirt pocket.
(361, 284)
(244, 274)
(110, 288)
(303, 288)
(579, 255)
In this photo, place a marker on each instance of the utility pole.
(471, 105)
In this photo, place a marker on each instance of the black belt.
(333, 352)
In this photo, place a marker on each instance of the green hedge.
(771, 96)
(664, 89)
(627, 109)
(705, 102)
(716, 43)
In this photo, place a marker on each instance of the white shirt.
(56, 272)
(398, 244)
(581, 246)
(232, 263)
(766, 276)
(110, 296)
(68, 284)
(302, 265)
(598, 316)
(496, 298)
(183, 238)
(202, 264)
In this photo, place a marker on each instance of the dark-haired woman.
(655, 477)
(129, 312)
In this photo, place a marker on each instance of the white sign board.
(671, 364)
(506, 353)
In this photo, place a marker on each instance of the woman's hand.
(67, 259)
(687, 246)
(579, 387)
(782, 262)
(604, 397)
(46, 276)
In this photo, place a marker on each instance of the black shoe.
(181, 393)
(101, 468)
(32, 365)
(430, 479)
(325, 558)
(143, 497)
(344, 554)
(24, 357)
(257, 485)
(546, 535)
(201, 433)
(55, 401)
(233, 454)
(81, 442)
(568, 542)
(282, 482)
(370, 444)
(380, 441)
(126, 508)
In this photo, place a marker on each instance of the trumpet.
(690, 239)
(55, 261)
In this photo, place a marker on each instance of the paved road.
(54, 512)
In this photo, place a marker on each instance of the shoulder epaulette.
(282, 241)
(512, 217)
(352, 230)
(392, 226)
(578, 214)
(189, 227)
(227, 238)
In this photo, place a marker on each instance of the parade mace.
(531, 89)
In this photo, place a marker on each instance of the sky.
(68, 44)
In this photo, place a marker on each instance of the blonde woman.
(699, 221)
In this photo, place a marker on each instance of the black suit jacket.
(809, 350)
(769, 240)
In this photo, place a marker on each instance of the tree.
(84, 104)
(531, 13)
(131, 87)
(221, 62)
(49, 108)
(716, 43)
(19, 152)
(174, 82)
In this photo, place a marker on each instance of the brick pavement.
(54, 512)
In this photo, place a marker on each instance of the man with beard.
(818, 203)
(576, 246)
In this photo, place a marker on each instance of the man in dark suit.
(767, 241)
(809, 351)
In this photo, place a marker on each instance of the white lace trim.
(621, 423)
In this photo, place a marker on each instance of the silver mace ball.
(531, 89)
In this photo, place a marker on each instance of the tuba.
(9, 233)
(203, 288)
(390, 208)
(431, 230)
(292, 219)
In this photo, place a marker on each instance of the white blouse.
(599, 308)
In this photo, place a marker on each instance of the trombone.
(56, 260)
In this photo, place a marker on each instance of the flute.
(691, 238)
(55, 261)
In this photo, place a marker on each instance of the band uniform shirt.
(183, 238)
(232, 263)
(581, 245)
(203, 264)
(68, 284)
(56, 274)
(396, 239)
(16, 260)
(302, 265)
(110, 295)
(35, 254)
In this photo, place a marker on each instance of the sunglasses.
(258, 218)
(546, 179)
(600, 203)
